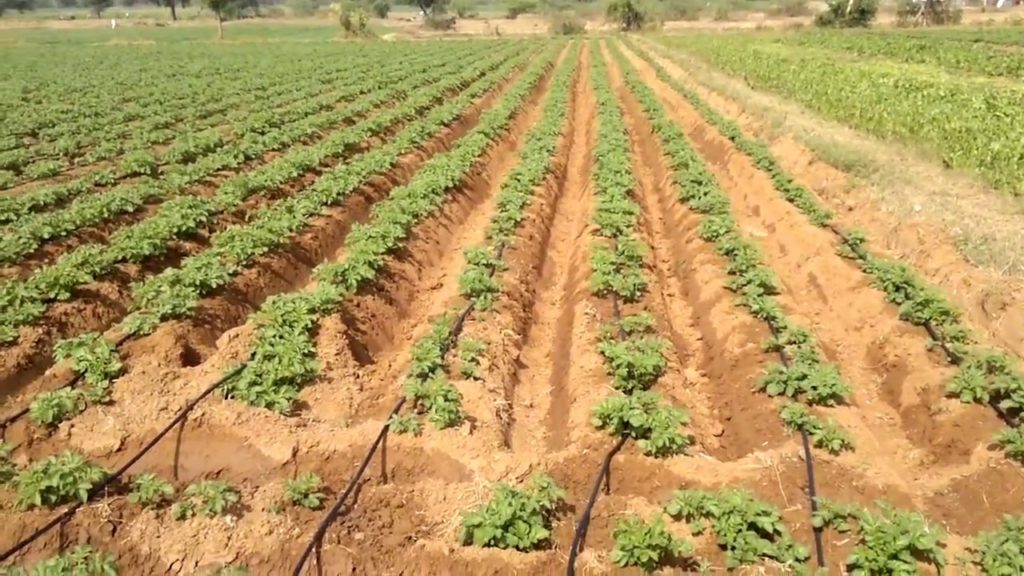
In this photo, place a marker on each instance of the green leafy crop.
(52, 408)
(1012, 442)
(828, 436)
(470, 351)
(150, 491)
(405, 424)
(441, 401)
(641, 416)
(634, 363)
(477, 282)
(1001, 551)
(304, 490)
(95, 358)
(890, 542)
(57, 480)
(806, 378)
(428, 352)
(646, 545)
(750, 531)
(514, 518)
(81, 561)
(209, 497)
(618, 270)
(836, 516)
(7, 468)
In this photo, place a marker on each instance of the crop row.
(632, 351)
(175, 292)
(406, 205)
(514, 518)
(21, 163)
(427, 387)
(801, 373)
(26, 300)
(197, 161)
(284, 354)
(749, 531)
(145, 108)
(984, 376)
(971, 125)
(287, 105)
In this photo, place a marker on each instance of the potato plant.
(210, 498)
(514, 518)
(305, 490)
(748, 530)
(57, 480)
(646, 545)
(150, 491)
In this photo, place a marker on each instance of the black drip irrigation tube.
(14, 417)
(97, 489)
(316, 542)
(335, 511)
(812, 489)
(604, 475)
(955, 358)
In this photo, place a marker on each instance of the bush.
(302, 7)
(381, 8)
(517, 7)
(928, 13)
(848, 14)
(627, 14)
(464, 8)
(352, 18)
(567, 25)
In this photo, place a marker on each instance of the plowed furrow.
(544, 384)
(198, 349)
(718, 345)
(882, 357)
(378, 328)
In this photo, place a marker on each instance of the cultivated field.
(509, 306)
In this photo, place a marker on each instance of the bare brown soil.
(530, 408)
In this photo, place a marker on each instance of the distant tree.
(65, 3)
(432, 7)
(98, 6)
(169, 4)
(236, 9)
(627, 13)
(380, 8)
(518, 7)
(219, 7)
(848, 14)
(19, 5)
(352, 17)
